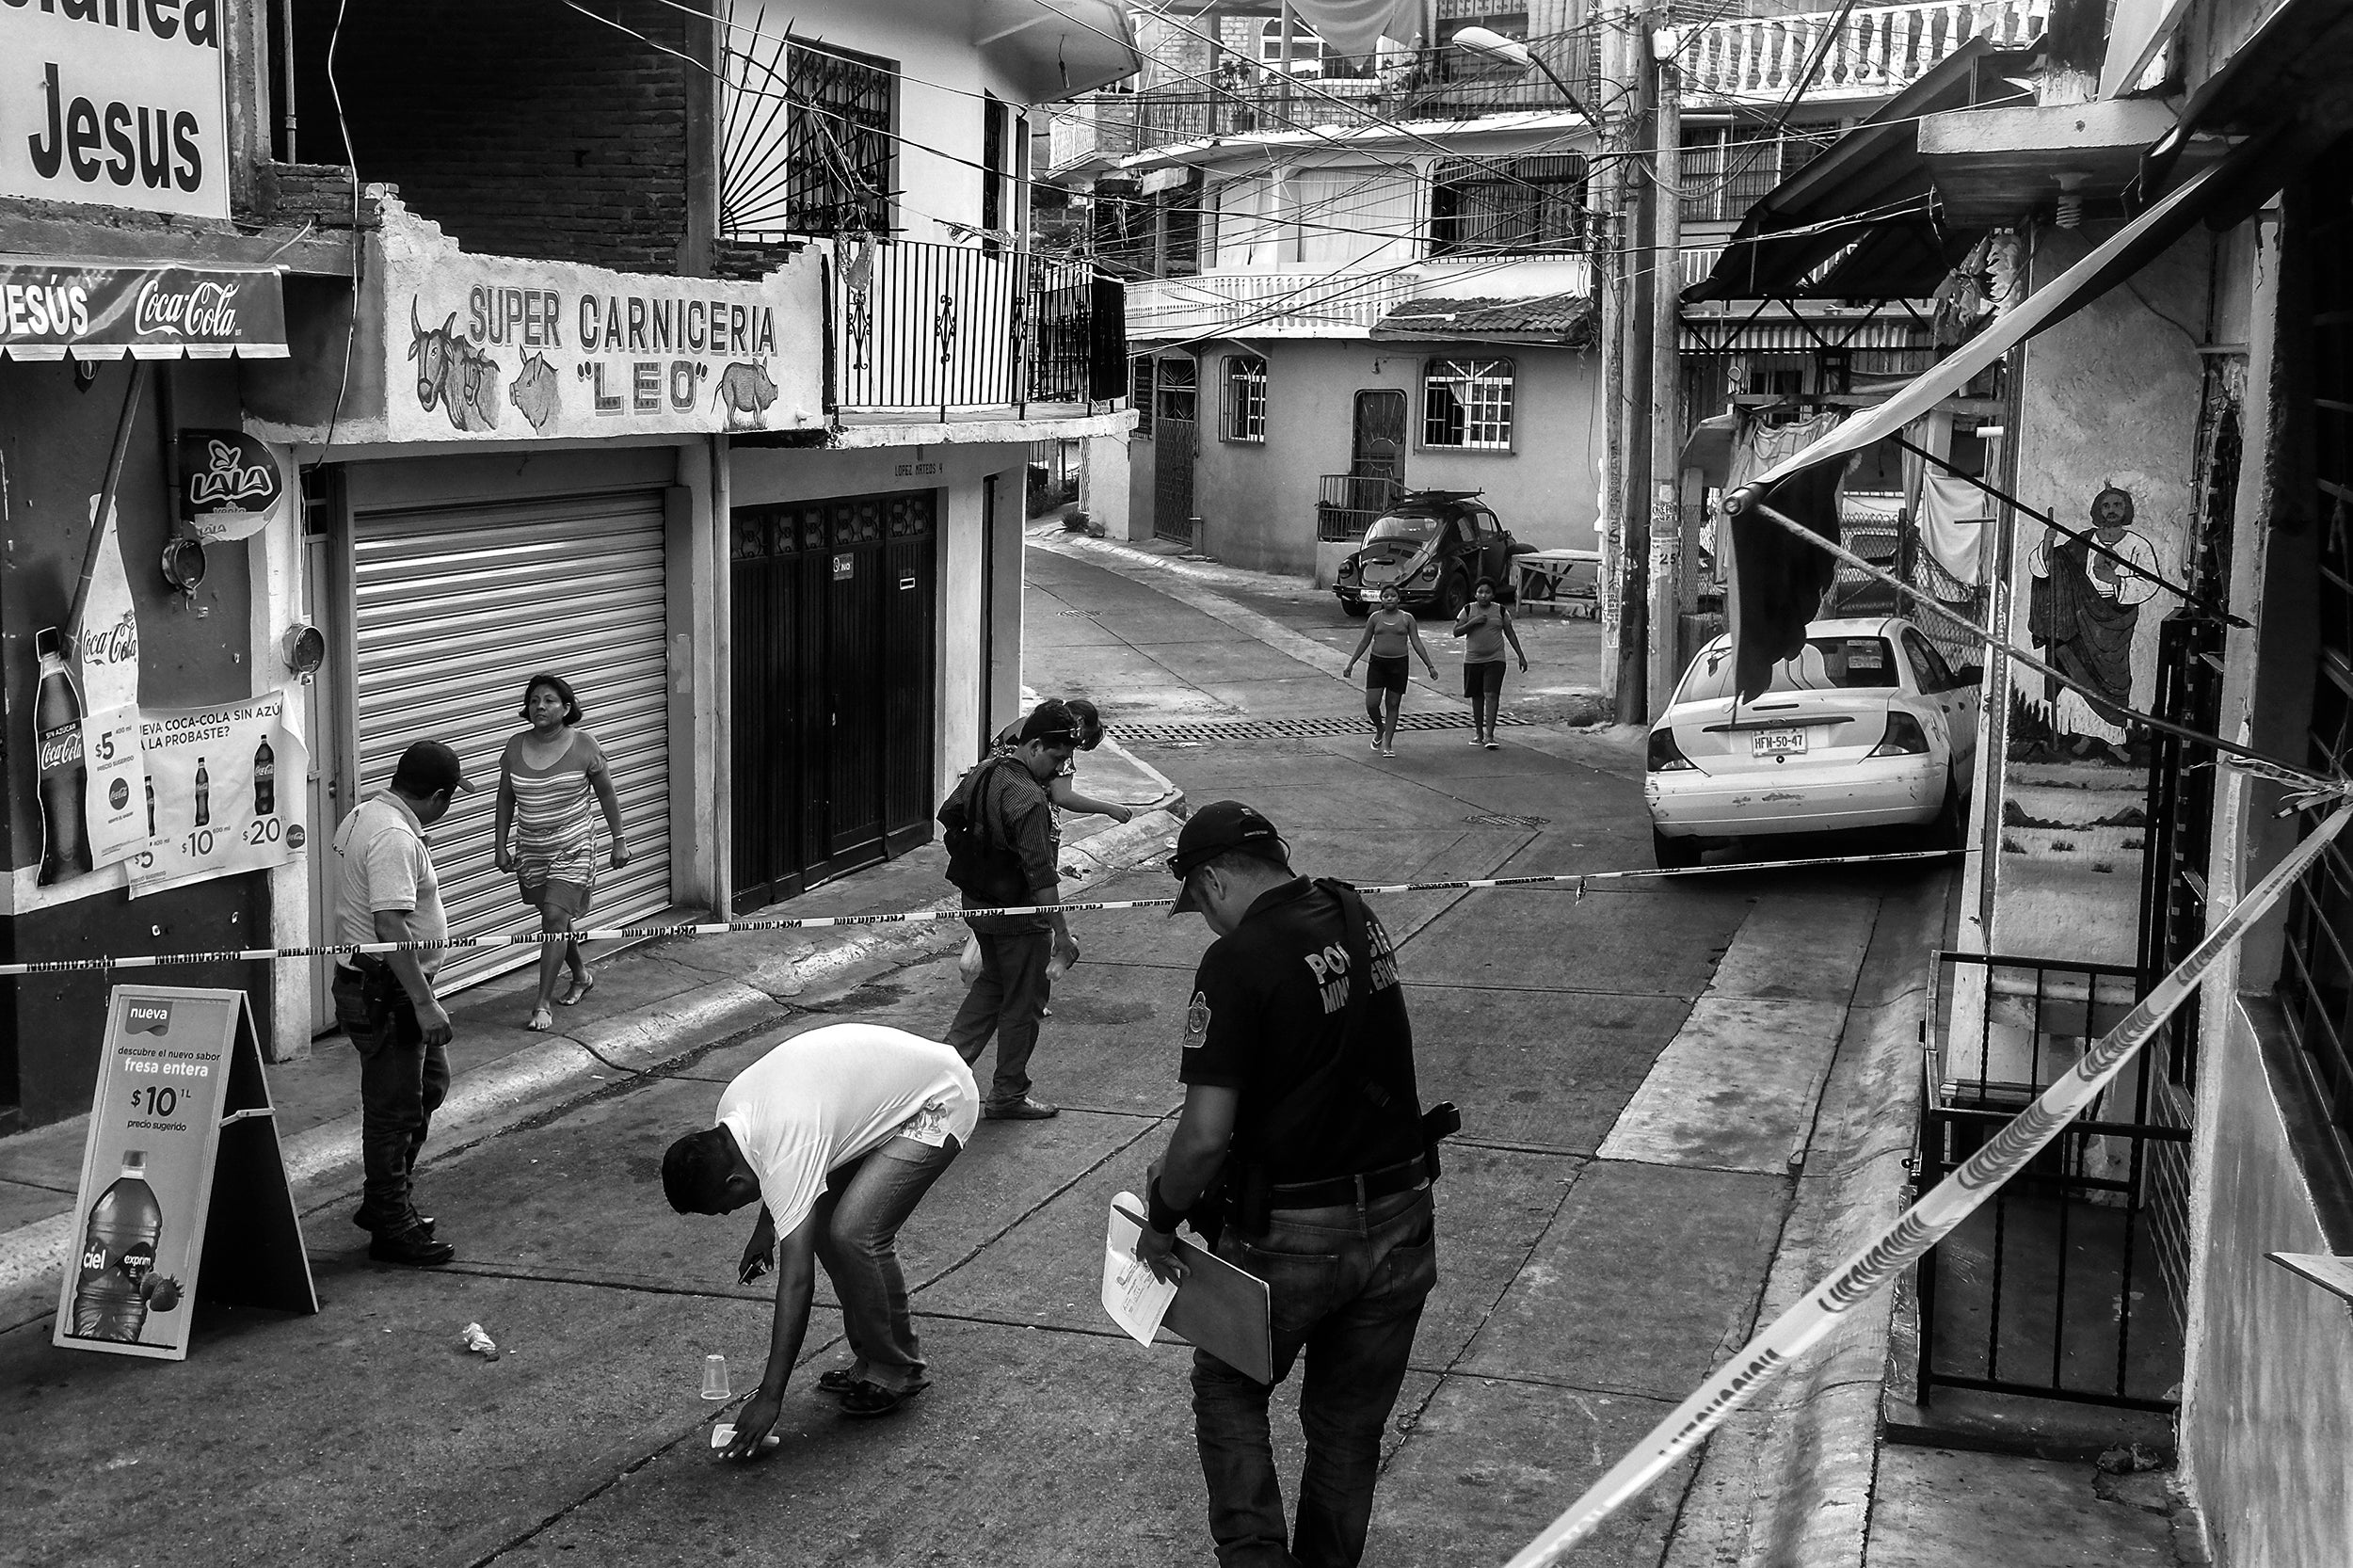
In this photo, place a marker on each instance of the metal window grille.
(808, 139)
(1480, 206)
(1467, 403)
(2315, 987)
(1245, 398)
(1140, 392)
(996, 158)
(1726, 171)
(1178, 388)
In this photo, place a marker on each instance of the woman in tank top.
(548, 778)
(1391, 634)
(1484, 626)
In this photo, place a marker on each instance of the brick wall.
(522, 130)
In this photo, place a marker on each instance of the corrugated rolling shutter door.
(456, 608)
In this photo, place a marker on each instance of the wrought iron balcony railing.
(948, 327)
(1420, 84)
(1348, 503)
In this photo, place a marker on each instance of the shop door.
(453, 610)
(833, 658)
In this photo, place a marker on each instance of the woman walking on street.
(1485, 626)
(1391, 634)
(546, 779)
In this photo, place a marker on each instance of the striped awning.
(64, 309)
(1731, 334)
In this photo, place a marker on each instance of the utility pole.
(1611, 269)
(1624, 26)
(1664, 652)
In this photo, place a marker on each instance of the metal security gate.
(2059, 1287)
(1171, 479)
(832, 657)
(454, 609)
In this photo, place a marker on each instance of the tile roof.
(1567, 320)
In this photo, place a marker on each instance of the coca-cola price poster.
(224, 791)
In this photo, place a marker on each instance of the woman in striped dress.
(546, 780)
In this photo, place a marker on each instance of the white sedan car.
(1868, 727)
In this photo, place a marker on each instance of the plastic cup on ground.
(724, 1433)
(715, 1378)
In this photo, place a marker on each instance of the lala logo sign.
(197, 311)
(228, 482)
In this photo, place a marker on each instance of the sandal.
(541, 1021)
(580, 986)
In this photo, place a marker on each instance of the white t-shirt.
(821, 1099)
(381, 863)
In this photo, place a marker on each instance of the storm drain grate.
(1504, 818)
(1074, 614)
(1294, 729)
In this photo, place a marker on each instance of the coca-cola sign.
(206, 311)
(230, 483)
(50, 309)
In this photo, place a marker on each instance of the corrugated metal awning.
(61, 308)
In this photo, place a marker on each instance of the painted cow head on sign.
(453, 373)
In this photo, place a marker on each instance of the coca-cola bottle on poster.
(57, 730)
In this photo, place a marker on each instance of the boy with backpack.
(1005, 849)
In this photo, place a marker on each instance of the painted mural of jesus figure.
(2082, 614)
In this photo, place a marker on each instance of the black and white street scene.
(1261, 783)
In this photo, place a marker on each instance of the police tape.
(906, 916)
(1927, 1221)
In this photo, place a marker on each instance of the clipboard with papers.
(1218, 1307)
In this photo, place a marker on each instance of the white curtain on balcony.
(1353, 28)
(1252, 229)
(1350, 214)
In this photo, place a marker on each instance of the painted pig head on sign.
(744, 392)
(453, 373)
(536, 390)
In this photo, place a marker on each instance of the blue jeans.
(401, 1083)
(1006, 999)
(1346, 1284)
(858, 1218)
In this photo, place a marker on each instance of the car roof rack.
(1439, 498)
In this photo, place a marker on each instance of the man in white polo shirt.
(386, 890)
(838, 1133)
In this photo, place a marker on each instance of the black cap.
(1050, 720)
(429, 767)
(1209, 832)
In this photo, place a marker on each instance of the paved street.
(1639, 1068)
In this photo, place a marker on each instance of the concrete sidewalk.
(652, 1002)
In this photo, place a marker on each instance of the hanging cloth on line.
(1953, 515)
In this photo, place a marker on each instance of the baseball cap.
(1050, 720)
(1209, 832)
(429, 767)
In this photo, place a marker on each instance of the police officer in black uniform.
(1304, 1154)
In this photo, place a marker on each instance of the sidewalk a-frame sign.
(184, 1188)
